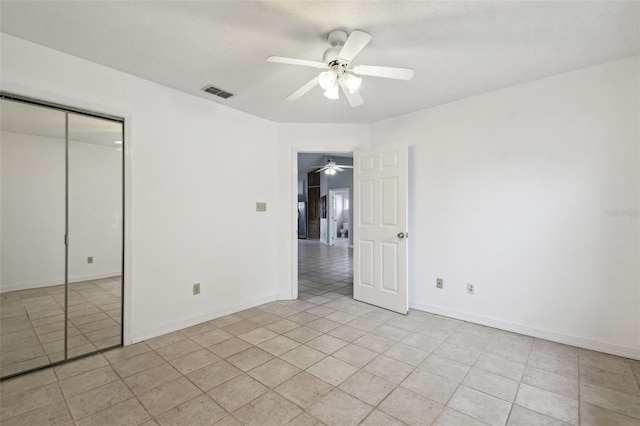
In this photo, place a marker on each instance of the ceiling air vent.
(218, 92)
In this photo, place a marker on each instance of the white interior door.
(380, 228)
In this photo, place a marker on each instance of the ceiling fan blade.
(322, 168)
(293, 61)
(344, 167)
(354, 99)
(386, 72)
(304, 89)
(339, 169)
(355, 43)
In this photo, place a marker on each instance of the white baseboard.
(80, 279)
(188, 322)
(284, 296)
(623, 351)
(42, 284)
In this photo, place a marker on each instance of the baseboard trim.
(284, 296)
(42, 284)
(208, 316)
(531, 331)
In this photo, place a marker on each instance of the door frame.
(293, 218)
(331, 233)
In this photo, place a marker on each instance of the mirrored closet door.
(61, 234)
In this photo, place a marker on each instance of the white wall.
(185, 222)
(33, 211)
(513, 191)
(95, 211)
(508, 191)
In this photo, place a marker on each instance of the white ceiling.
(457, 49)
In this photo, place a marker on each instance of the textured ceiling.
(457, 49)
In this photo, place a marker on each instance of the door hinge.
(66, 239)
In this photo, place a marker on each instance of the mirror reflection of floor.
(32, 323)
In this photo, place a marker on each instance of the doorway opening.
(339, 217)
(323, 252)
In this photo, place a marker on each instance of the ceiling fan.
(331, 167)
(340, 74)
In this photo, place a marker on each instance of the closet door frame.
(66, 109)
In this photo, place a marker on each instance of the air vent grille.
(218, 92)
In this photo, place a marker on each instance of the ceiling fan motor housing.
(330, 55)
(337, 38)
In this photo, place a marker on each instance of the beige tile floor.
(32, 323)
(327, 359)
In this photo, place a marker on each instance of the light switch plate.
(261, 207)
(196, 289)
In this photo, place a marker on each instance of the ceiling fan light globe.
(328, 80)
(351, 82)
(332, 93)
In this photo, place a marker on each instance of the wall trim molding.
(198, 319)
(284, 296)
(622, 351)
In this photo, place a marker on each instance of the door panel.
(366, 264)
(389, 196)
(365, 202)
(95, 234)
(380, 246)
(32, 228)
(389, 266)
(61, 215)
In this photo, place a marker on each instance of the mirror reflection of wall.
(95, 234)
(32, 227)
(58, 180)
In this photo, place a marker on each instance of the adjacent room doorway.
(323, 259)
(378, 228)
(339, 218)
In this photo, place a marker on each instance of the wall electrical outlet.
(439, 283)
(196, 288)
(261, 207)
(470, 288)
(90, 259)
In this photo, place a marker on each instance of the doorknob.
(400, 234)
